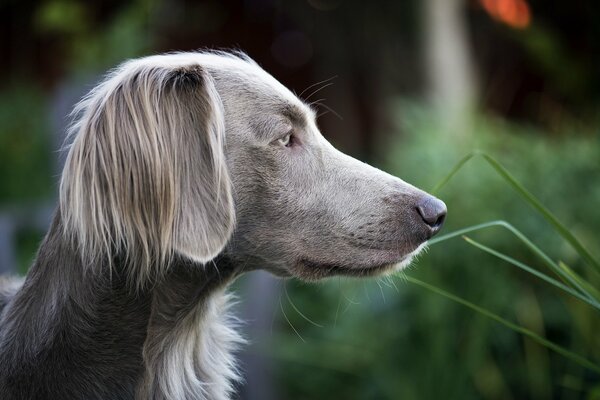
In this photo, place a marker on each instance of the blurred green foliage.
(95, 47)
(25, 159)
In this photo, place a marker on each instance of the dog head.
(199, 154)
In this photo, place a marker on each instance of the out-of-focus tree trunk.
(260, 293)
(7, 245)
(450, 71)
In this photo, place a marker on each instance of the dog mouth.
(313, 270)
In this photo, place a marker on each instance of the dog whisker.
(325, 81)
(298, 310)
(329, 109)
(289, 322)
(381, 290)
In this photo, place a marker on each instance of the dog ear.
(146, 177)
(205, 217)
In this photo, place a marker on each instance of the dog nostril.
(433, 212)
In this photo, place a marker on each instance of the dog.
(184, 171)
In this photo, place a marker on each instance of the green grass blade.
(468, 229)
(453, 172)
(592, 291)
(535, 203)
(536, 250)
(534, 272)
(529, 198)
(519, 329)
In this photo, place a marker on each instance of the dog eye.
(286, 141)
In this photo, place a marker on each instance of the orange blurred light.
(515, 13)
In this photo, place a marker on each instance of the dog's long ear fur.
(145, 177)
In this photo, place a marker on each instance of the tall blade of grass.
(589, 288)
(536, 250)
(519, 329)
(453, 172)
(529, 198)
(534, 272)
(468, 229)
(535, 203)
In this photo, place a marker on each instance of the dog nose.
(433, 212)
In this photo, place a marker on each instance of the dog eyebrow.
(295, 114)
(268, 129)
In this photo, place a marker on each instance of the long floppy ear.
(146, 176)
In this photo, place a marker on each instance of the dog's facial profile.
(184, 171)
(303, 208)
(181, 148)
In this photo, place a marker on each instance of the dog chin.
(313, 271)
(408, 259)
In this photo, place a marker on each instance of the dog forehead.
(242, 78)
(238, 77)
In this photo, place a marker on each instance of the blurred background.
(409, 86)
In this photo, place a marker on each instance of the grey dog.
(184, 171)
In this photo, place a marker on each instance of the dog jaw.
(309, 270)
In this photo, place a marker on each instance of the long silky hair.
(146, 176)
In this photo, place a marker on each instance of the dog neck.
(70, 331)
(190, 335)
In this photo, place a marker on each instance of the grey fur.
(182, 175)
